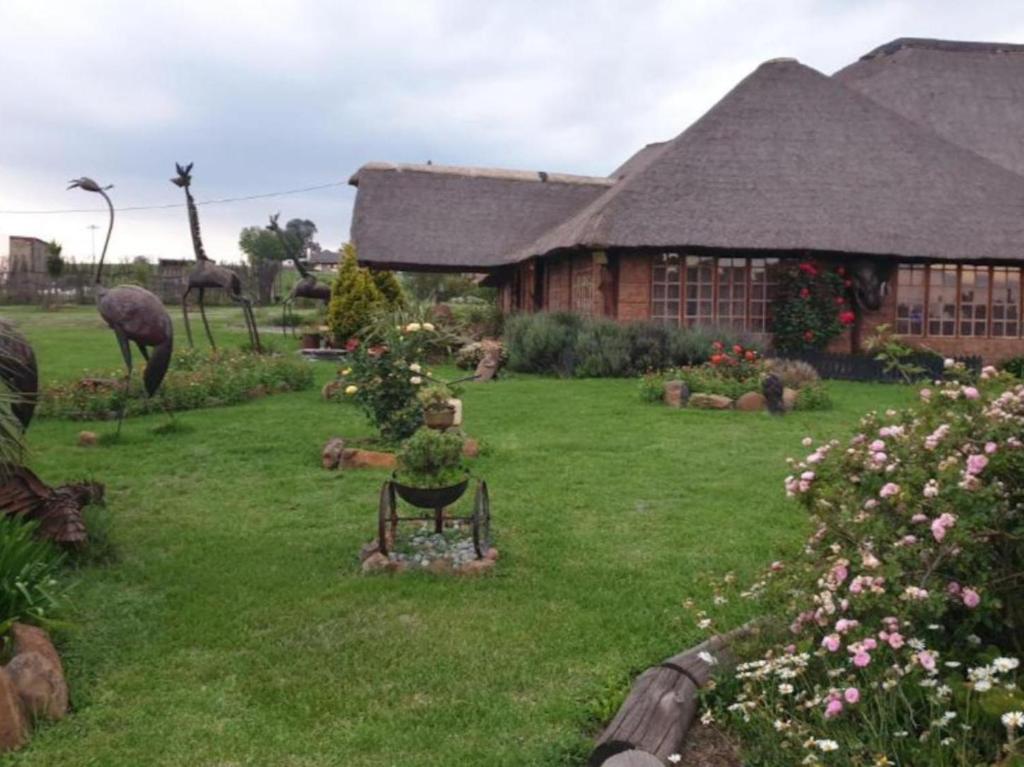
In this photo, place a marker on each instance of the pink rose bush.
(896, 633)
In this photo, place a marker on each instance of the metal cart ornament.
(435, 500)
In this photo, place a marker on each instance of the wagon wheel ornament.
(387, 518)
(481, 520)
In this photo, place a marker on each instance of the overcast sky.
(275, 96)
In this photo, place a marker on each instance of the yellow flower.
(428, 326)
(413, 327)
(351, 389)
(346, 371)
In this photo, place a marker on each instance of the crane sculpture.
(134, 314)
(295, 237)
(207, 274)
(19, 371)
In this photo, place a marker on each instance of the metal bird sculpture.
(19, 371)
(134, 314)
(207, 275)
(294, 239)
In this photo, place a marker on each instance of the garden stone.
(13, 723)
(476, 567)
(330, 456)
(40, 685)
(470, 448)
(751, 401)
(28, 638)
(676, 393)
(87, 439)
(367, 459)
(710, 401)
(789, 398)
(492, 554)
(440, 567)
(375, 563)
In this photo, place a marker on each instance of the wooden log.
(633, 759)
(661, 706)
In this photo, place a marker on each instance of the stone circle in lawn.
(421, 549)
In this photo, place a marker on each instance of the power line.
(168, 206)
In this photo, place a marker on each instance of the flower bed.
(196, 379)
(901, 621)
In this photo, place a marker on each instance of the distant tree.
(265, 254)
(438, 288)
(54, 260)
(141, 271)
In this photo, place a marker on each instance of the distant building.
(323, 260)
(172, 277)
(26, 274)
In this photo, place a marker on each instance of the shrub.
(541, 343)
(812, 396)
(354, 298)
(793, 373)
(431, 458)
(892, 639)
(30, 591)
(1014, 366)
(389, 287)
(601, 350)
(196, 379)
(652, 386)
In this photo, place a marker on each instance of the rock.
(788, 398)
(375, 563)
(40, 685)
(398, 566)
(492, 554)
(330, 390)
(456, 405)
(368, 550)
(87, 439)
(751, 401)
(440, 567)
(676, 393)
(476, 567)
(27, 638)
(710, 401)
(13, 722)
(367, 459)
(330, 456)
(470, 448)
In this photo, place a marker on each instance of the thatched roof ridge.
(969, 93)
(458, 219)
(639, 159)
(792, 160)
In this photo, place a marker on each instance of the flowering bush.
(385, 375)
(431, 458)
(812, 306)
(904, 611)
(196, 379)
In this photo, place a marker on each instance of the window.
(583, 292)
(732, 292)
(665, 289)
(1005, 302)
(942, 295)
(762, 293)
(910, 284)
(965, 301)
(974, 285)
(700, 290)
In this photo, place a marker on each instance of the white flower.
(1003, 665)
(415, 380)
(707, 718)
(785, 689)
(415, 367)
(707, 657)
(1012, 720)
(704, 623)
(675, 758)
(412, 327)
(827, 745)
(982, 685)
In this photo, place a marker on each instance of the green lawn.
(236, 629)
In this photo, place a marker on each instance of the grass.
(236, 628)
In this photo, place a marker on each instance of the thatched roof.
(458, 219)
(793, 160)
(969, 93)
(641, 159)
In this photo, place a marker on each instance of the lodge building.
(907, 164)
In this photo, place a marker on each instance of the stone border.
(32, 686)
(372, 562)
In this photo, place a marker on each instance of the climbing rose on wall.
(809, 309)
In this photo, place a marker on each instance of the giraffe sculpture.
(208, 275)
(134, 314)
(294, 239)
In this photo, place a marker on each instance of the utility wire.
(174, 204)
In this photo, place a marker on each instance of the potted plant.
(430, 473)
(311, 336)
(438, 412)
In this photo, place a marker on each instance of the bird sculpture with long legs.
(134, 314)
(208, 275)
(19, 371)
(294, 239)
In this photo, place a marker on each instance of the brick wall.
(557, 299)
(634, 287)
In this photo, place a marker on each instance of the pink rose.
(876, 446)
(831, 642)
(888, 490)
(895, 640)
(940, 525)
(991, 447)
(852, 695)
(861, 659)
(971, 598)
(834, 708)
(976, 464)
(971, 393)
(926, 659)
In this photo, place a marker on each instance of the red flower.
(840, 300)
(805, 293)
(809, 269)
(841, 271)
(808, 335)
(751, 356)
(717, 345)
(737, 349)
(351, 344)
(716, 359)
(847, 317)
(848, 283)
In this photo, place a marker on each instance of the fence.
(861, 367)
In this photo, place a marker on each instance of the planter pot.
(441, 418)
(310, 340)
(430, 497)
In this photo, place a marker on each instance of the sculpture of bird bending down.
(134, 314)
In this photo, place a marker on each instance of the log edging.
(655, 719)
